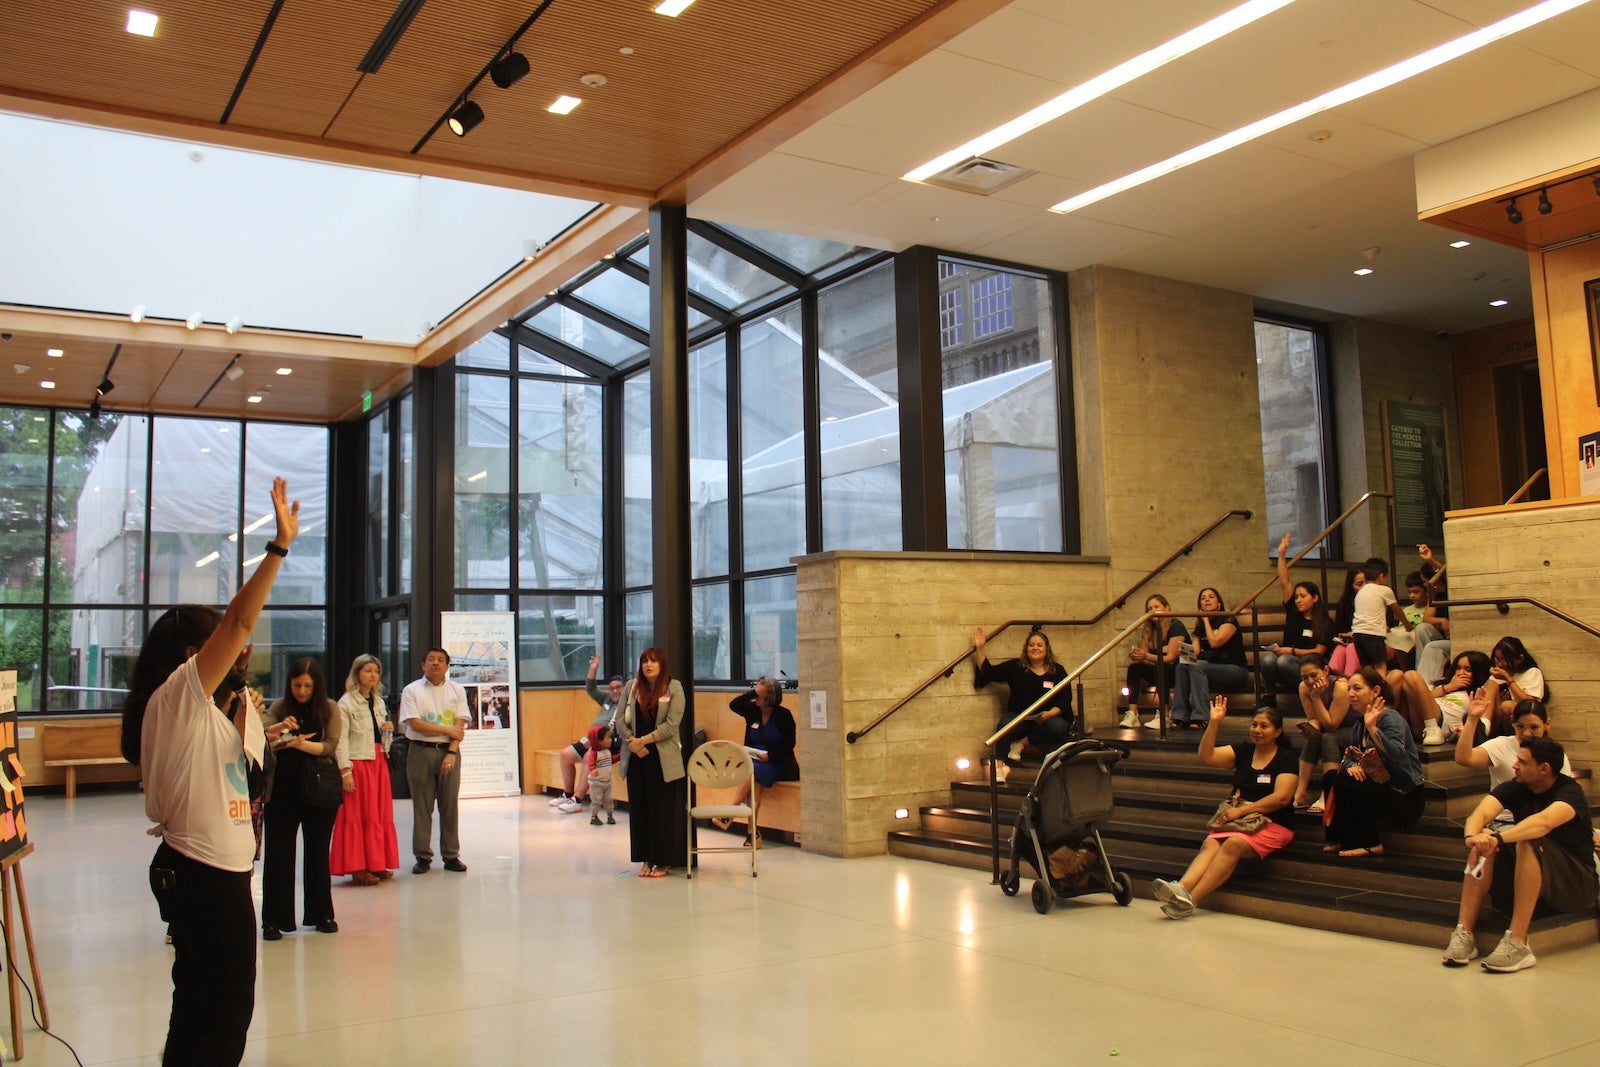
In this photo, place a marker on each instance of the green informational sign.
(366, 402)
(1419, 470)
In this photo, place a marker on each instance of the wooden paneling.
(1566, 357)
(1475, 356)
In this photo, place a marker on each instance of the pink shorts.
(1267, 840)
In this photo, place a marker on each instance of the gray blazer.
(669, 748)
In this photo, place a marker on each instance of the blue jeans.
(1191, 696)
(1280, 671)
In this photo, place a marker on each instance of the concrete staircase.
(1163, 798)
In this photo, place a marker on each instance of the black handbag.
(399, 751)
(321, 785)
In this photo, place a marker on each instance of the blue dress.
(775, 738)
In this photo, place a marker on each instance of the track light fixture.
(194, 320)
(509, 69)
(234, 371)
(137, 314)
(94, 408)
(234, 325)
(465, 118)
(1545, 207)
(1513, 216)
(103, 388)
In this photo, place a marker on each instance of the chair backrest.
(720, 765)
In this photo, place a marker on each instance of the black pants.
(286, 817)
(1372, 650)
(658, 816)
(1358, 808)
(213, 924)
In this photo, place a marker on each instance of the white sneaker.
(1462, 949)
(1153, 724)
(1016, 751)
(1510, 955)
(560, 800)
(1431, 734)
(569, 806)
(1177, 909)
(1130, 721)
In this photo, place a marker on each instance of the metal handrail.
(1503, 605)
(1527, 485)
(949, 668)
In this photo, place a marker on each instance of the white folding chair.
(721, 765)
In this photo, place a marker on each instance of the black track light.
(1545, 207)
(103, 388)
(94, 408)
(465, 119)
(1513, 216)
(509, 69)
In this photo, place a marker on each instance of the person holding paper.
(769, 737)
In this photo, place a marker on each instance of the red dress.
(363, 833)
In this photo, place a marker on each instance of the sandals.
(363, 878)
(659, 872)
(1330, 849)
(1374, 852)
(721, 823)
(644, 871)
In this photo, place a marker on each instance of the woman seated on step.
(1325, 702)
(1162, 641)
(1343, 659)
(1028, 677)
(1517, 677)
(1306, 632)
(1223, 667)
(1468, 672)
(1379, 780)
(1264, 783)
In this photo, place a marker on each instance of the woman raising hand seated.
(1264, 779)
(1028, 678)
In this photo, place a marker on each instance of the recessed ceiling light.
(1101, 84)
(1459, 244)
(285, 371)
(1498, 303)
(142, 23)
(252, 400)
(624, 51)
(47, 385)
(1362, 271)
(1361, 87)
(564, 105)
(56, 352)
(673, 8)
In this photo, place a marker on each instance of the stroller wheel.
(1009, 883)
(1122, 889)
(1041, 898)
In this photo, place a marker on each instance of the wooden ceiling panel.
(307, 68)
(82, 51)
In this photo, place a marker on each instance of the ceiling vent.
(979, 175)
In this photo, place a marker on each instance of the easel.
(11, 874)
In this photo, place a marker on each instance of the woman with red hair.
(652, 764)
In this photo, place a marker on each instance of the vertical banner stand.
(11, 878)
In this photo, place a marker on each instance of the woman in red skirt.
(364, 845)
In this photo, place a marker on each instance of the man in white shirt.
(433, 713)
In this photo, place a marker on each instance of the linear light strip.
(1383, 79)
(1101, 84)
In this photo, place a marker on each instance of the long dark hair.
(318, 704)
(652, 693)
(172, 639)
(1515, 654)
(1321, 627)
(1155, 630)
(1346, 611)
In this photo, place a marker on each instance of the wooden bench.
(74, 745)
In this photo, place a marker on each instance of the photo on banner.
(14, 830)
(481, 644)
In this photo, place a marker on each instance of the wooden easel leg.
(11, 956)
(27, 937)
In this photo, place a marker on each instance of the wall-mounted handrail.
(1503, 605)
(949, 668)
(1527, 485)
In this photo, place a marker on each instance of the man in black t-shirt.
(1544, 861)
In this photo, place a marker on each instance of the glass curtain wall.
(1291, 378)
(109, 521)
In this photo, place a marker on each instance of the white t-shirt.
(1502, 753)
(442, 705)
(1531, 681)
(192, 765)
(1372, 610)
(1453, 711)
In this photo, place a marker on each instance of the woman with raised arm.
(1306, 631)
(1027, 678)
(193, 738)
(1263, 784)
(1379, 780)
(1221, 653)
(769, 737)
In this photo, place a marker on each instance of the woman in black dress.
(1028, 678)
(652, 764)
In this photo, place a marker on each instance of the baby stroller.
(1059, 823)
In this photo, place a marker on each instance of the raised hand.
(287, 514)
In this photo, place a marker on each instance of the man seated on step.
(1543, 862)
(1499, 754)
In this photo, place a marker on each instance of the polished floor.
(550, 950)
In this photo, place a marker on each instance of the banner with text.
(1419, 471)
(482, 646)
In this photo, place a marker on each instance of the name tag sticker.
(1263, 779)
